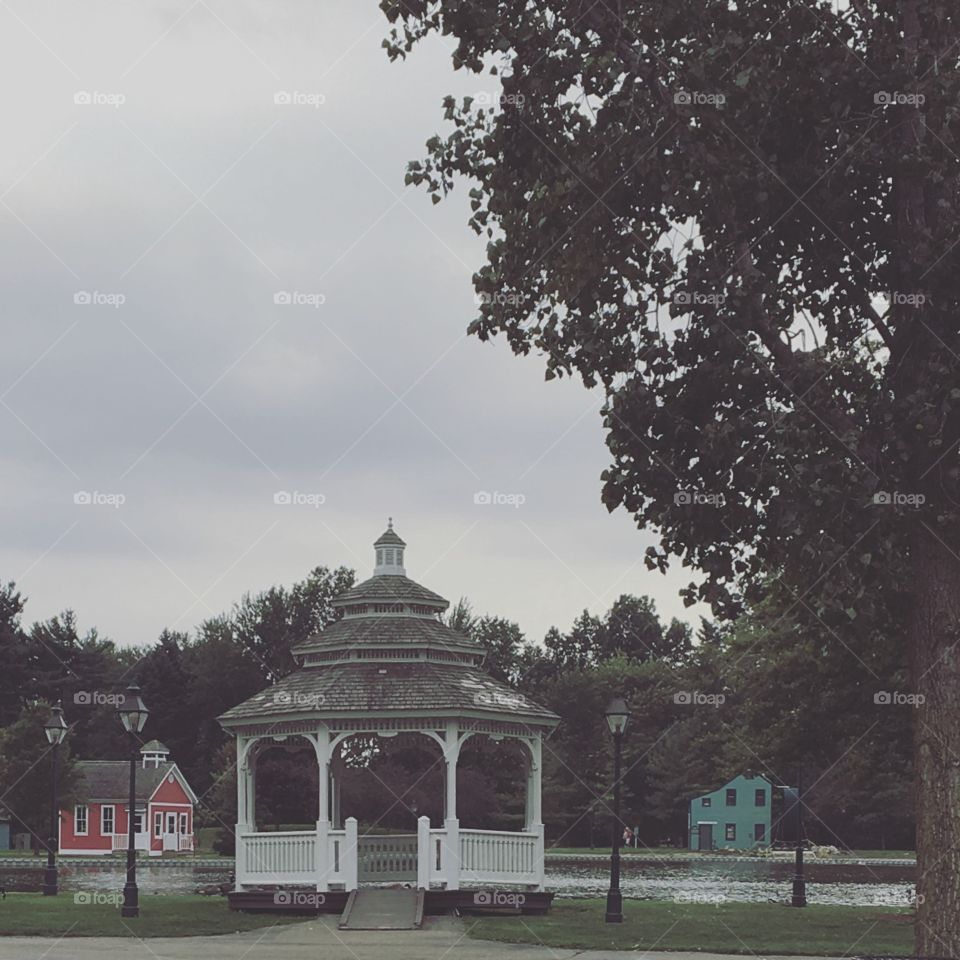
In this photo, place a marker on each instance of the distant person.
(627, 837)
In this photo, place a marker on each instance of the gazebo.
(387, 666)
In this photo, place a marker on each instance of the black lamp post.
(133, 714)
(56, 729)
(617, 716)
(799, 896)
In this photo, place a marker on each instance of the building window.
(760, 831)
(157, 824)
(760, 798)
(706, 802)
(80, 820)
(183, 824)
(388, 554)
(732, 797)
(730, 832)
(106, 820)
(138, 822)
(380, 557)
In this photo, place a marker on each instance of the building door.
(704, 836)
(170, 839)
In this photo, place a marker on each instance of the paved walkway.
(441, 938)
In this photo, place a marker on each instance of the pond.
(749, 881)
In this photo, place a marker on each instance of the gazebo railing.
(284, 857)
(447, 856)
(498, 856)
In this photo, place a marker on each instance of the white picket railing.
(285, 857)
(448, 857)
(499, 856)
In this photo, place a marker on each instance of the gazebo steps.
(376, 909)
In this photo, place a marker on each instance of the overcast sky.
(182, 201)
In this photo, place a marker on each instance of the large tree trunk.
(935, 666)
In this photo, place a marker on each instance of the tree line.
(769, 692)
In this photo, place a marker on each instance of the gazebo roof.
(390, 587)
(386, 631)
(389, 537)
(378, 689)
(389, 653)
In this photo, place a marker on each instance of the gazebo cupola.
(389, 552)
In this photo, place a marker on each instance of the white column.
(451, 849)
(534, 804)
(245, 760)
(321, 745)
(424, 863)
(350, 854)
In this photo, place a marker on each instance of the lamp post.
(799, 896)
(617, 716)
(56, 729)
(133, 714)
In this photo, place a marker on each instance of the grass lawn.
(32, 914)
(760, 928)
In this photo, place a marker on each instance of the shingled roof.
(387, 656)
(374, 688)
(388, 630)
(110, 779)
(390, 587)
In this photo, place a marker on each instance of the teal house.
(741, 815)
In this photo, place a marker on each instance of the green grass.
(748, 928)
(33, 915)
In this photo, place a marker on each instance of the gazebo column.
(534, 801)
(451, 825)
(324, 751)
(246, 802)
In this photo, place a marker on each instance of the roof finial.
(389, 523)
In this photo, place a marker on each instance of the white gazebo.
(388, 666)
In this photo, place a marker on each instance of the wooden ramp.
(374, 909)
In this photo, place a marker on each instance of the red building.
(98, 823)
